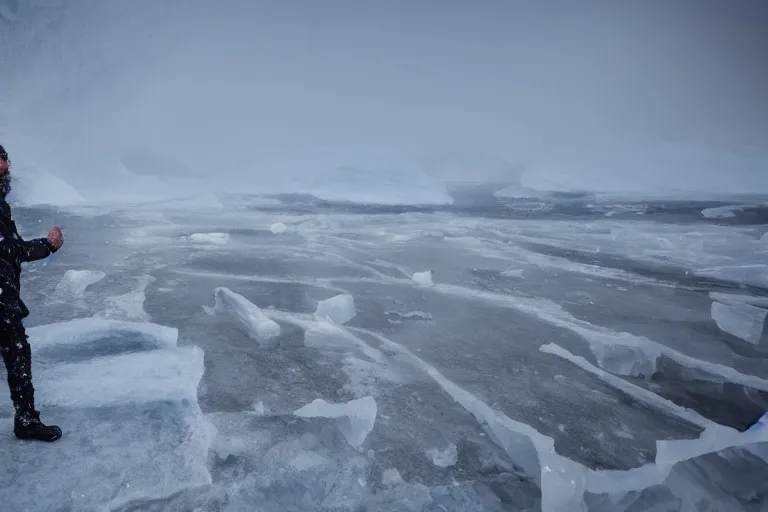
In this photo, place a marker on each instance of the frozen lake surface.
(273, 354)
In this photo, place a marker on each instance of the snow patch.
(391, 477)
(209, 238)
(445, 458)
(357, 417)
(249, 316)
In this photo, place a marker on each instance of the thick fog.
(582, 94)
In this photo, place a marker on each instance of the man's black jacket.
(13, 252)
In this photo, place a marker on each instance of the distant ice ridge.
(249, 316)
(35, 187)
(374, 177)
(518, 192)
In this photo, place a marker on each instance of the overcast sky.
(233, 79)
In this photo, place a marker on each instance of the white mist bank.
(652, 169)
(368, 175)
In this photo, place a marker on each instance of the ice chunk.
(278, 228)
(627, 360)
(75, 282)
(358, 417)
(339, 309)
(209, 238)
(740, 320)
(423, 278)
(518, 273)
(259, 408)
(256, 323)
(444, 458)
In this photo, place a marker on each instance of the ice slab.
(358, 416)
(423, 278)
(249, 316)
(89, 337)
(85, 329)
(339, 309)
(75, 282)
(126, 398)
(278, 228)
(209, 238)
(163, 374)
(740, 320)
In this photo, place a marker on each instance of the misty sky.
(227, 80)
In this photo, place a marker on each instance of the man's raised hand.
(56, 238)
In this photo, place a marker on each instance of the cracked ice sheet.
(722, 252)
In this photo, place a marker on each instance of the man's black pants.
(17, 356)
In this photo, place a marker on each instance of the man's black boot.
(29, 427)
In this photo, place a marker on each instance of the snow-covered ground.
(249, 356)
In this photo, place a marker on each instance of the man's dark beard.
(5, 185)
